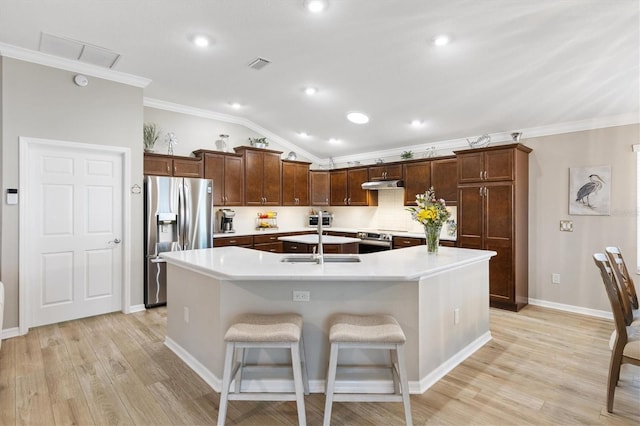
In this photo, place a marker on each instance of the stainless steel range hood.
(383, 184)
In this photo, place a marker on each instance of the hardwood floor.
(542, 367)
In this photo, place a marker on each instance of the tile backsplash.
(390, 214)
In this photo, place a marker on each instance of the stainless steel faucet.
(320, 255)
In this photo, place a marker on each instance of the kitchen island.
(441, 301)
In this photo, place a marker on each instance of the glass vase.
(432, 233)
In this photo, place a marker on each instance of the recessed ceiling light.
(310, 91)
(417, 123)
(334, 140)
(357, 117)
(441, 40)
(201, 41)
(304, 134)
(236, 105)
(316, 6)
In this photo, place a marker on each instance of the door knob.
(116, 241)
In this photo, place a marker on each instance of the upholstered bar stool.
(368, 332)
(264, 331)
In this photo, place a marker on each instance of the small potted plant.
(259, 142)
(406, 155)
(150, 135)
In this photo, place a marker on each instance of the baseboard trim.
(136, 308)
(318, 386)
(8, 333)
(441, 371)
(194, 364)
(571, 308)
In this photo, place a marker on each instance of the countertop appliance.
(178, 215)
(327, 220)
(225, 221)
(374, 241)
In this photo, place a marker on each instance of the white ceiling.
(511, 65)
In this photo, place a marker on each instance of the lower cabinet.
(349, 248)
(400, 242)
(240, 241)
(268, 242)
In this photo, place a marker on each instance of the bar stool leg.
(238, 376)
(226, 383)
(331, 382)
(305, 374)
(297, 383)
(404, 383)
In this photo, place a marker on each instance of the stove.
(374, 241)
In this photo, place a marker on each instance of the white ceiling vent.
(77, 50)
(259, 63)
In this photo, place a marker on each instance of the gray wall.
(43, 102)
(570, 253)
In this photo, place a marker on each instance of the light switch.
(566, 225)
(12, 196)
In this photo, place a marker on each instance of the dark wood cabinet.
(493, 165)
(168, 165)
(400, 242)
(346, 188)
(493, 215)
(295, 183)
(240, 241)
(385, 172)
(444, 179)
(262, 176)
(348, 248)
(417, 179)
(226, 171)
(319, 187)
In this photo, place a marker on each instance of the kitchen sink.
(327, 259)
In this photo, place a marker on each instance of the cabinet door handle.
(349, 201)
(345, 201)
(232, 241)
(480, 191)
(326, 200)
(294, 247)
(168, 169)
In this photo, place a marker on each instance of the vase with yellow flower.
(432, 213)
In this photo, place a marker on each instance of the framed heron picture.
(590, 190)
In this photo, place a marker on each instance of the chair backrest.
(613, 293)
(623, 275)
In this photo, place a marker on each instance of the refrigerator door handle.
(181, 215)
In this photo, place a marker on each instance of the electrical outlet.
(301, 296)
(555, 278)
(456, 316)
(186, 314)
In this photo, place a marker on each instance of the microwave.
(327, 220)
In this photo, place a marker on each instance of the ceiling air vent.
(259, 63)
(78, 50)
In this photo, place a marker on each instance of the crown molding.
(498, 138)
(228, 118)
(10, 51)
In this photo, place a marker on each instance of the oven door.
(373, 246)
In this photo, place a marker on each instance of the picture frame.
(590, 191)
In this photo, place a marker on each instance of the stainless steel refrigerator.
(178, 216)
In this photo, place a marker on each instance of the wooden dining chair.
(629, 297)
(625, 339)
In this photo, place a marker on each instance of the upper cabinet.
(385, 172)
(444, 179)
(493, 165)
(346, 188)
(441, 174)
(226, 171)
(417, 179)
(319, 187)
(262, 176)
(295, 183)
(169, 165)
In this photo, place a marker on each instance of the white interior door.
(74, 212)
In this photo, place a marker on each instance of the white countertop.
(335, 229)
(313, 239)
(407, 264)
